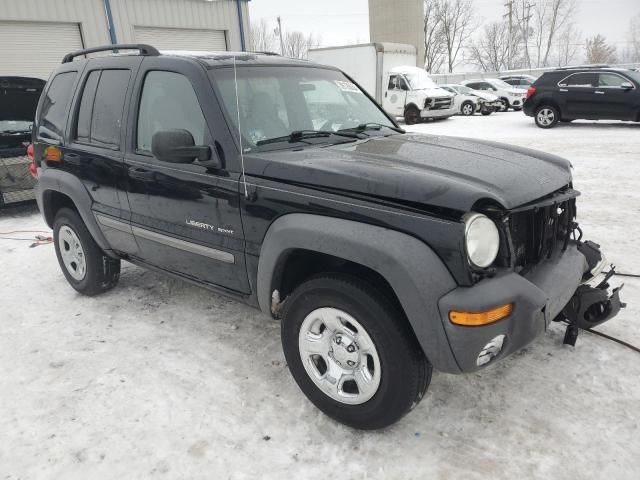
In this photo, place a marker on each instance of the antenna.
(235, 79)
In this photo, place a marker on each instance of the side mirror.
(627, 86)
(178, 146)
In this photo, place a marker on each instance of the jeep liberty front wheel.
(352, 353)
(84, 264)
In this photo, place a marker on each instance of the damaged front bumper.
(547, 292)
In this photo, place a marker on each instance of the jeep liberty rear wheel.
(352, 353)
(83, 263)
(411, 115)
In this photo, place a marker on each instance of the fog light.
(490, 350)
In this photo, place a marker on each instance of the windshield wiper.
(372, 126)
(300, 135)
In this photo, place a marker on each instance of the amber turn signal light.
(477, 319)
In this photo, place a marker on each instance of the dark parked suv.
(282, 184)
(570, 94)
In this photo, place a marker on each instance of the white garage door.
(34, 49)
(182, 39)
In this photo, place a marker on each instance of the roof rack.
(146, 50)
(584, 67)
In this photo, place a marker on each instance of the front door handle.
(564, 90)
(599, 92)
(141, 174)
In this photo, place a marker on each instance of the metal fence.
(444, 78)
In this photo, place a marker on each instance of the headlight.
(482, 239)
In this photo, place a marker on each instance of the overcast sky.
(346, 21)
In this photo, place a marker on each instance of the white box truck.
(388, 73)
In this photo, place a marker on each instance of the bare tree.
(491, 51)
(598, 51)
(261, 37)
(632, 53)
(550, 18)
(569, 45)
(297, 44)
(457, 24)
(434, 44)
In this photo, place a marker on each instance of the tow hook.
(590, 307)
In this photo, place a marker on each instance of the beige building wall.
(398, 21)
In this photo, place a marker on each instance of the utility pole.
(525, 21)
(509, 14)
(279, 32)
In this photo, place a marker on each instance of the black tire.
(505, 105)
(486, 113)
(517, 109)
(547, 116)
(411, 115)
(101, 272)
(467, 109)
(405, 373)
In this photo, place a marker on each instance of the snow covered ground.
(161, 379)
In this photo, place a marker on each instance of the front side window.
(168, 102)
(611, 80)
(277, 101)
(53, 118)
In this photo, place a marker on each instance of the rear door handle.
(141, 174)
(564, 90)
(598, 92)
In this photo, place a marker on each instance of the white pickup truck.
(388, 73)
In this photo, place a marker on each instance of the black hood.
(446, 172)
(19, 97)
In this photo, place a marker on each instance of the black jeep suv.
(576, 93)
(282, 184)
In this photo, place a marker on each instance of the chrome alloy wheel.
(546, 117)
(467, 109)
(72, 253)
(339, 356)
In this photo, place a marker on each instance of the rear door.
(612, 101)
(95, 152)
(185, 217)
(578, 91)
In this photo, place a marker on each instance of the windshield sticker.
(347, 86)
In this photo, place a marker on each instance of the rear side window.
(168, 102)
(53, 116)
(101, 108)
(580, 80)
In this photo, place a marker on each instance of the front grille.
(539, 231)
(439, 103)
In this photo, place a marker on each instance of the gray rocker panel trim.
(63, 182)
(416, 274)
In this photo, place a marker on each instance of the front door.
(185, 217)
(612, 100)
(395, 97)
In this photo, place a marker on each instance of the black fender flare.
(416, 274)
(51, 180)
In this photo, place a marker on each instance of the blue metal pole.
(240, 19)
(112, 29)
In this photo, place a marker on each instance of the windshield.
(633, 74)
(275, 102)
(501, 84)
(15, 126)
(419, 79)
(464, 90)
